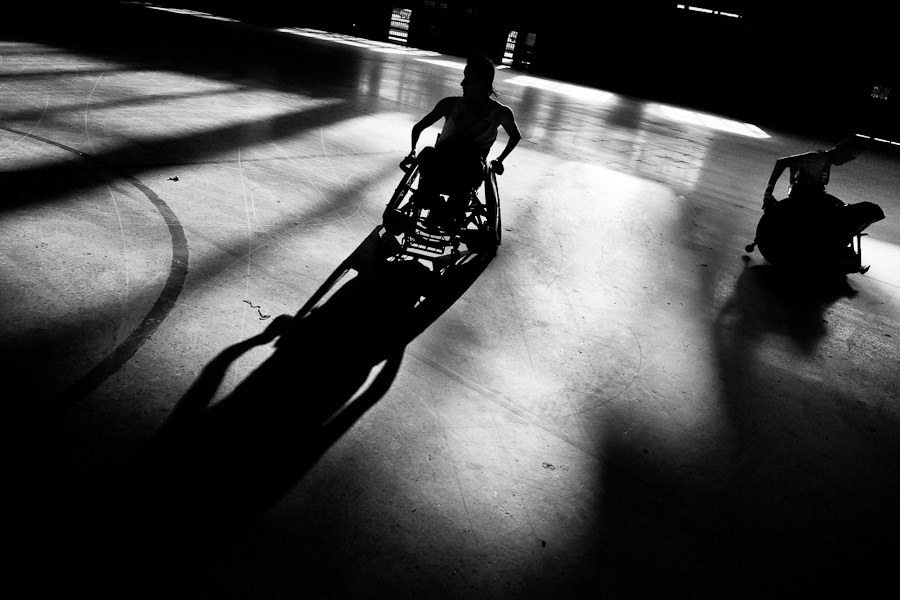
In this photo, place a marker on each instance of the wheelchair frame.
(404, 236)
(406, 230)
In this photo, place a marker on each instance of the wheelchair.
(405, 235)
(409, 231)
(818, 235)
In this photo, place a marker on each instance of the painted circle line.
(157, 313)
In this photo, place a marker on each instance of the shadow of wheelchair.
(213, 467)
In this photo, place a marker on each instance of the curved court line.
(157, 313)
(26, 135)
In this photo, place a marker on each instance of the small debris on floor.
(262, 317)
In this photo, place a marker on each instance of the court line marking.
(161, 308)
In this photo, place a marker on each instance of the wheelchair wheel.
(492, 203)
(400, 214)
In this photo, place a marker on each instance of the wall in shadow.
(229, 51)
(741, 67)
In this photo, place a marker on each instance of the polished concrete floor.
(621, 403)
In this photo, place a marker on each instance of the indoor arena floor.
(621, 403)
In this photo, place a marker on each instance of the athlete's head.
(847, 150)
(478, 77)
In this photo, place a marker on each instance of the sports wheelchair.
(818, 235)
(409, 232)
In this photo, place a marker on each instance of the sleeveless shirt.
(478, 130)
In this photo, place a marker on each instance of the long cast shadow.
(57, 178)
(36, 112)
(42, 360)
(210, 469)
(775, 508)
(768, 302)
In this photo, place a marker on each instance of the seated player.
(455, 165)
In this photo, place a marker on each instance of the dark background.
(813, 71)
(810, 66)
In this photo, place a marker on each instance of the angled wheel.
(398, 216)
(492, 204)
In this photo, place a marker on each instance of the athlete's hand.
(497, 167)
(407, 163)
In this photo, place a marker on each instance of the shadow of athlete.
(768, 302)
(702, 528)
(211, 468)
(237, 458)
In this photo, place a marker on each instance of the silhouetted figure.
(811, 171)
(812, 229)
(455, 165)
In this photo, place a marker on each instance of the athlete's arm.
(508, 122)
(441, 110)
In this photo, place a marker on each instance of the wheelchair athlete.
(455, 164)
(811, 228)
